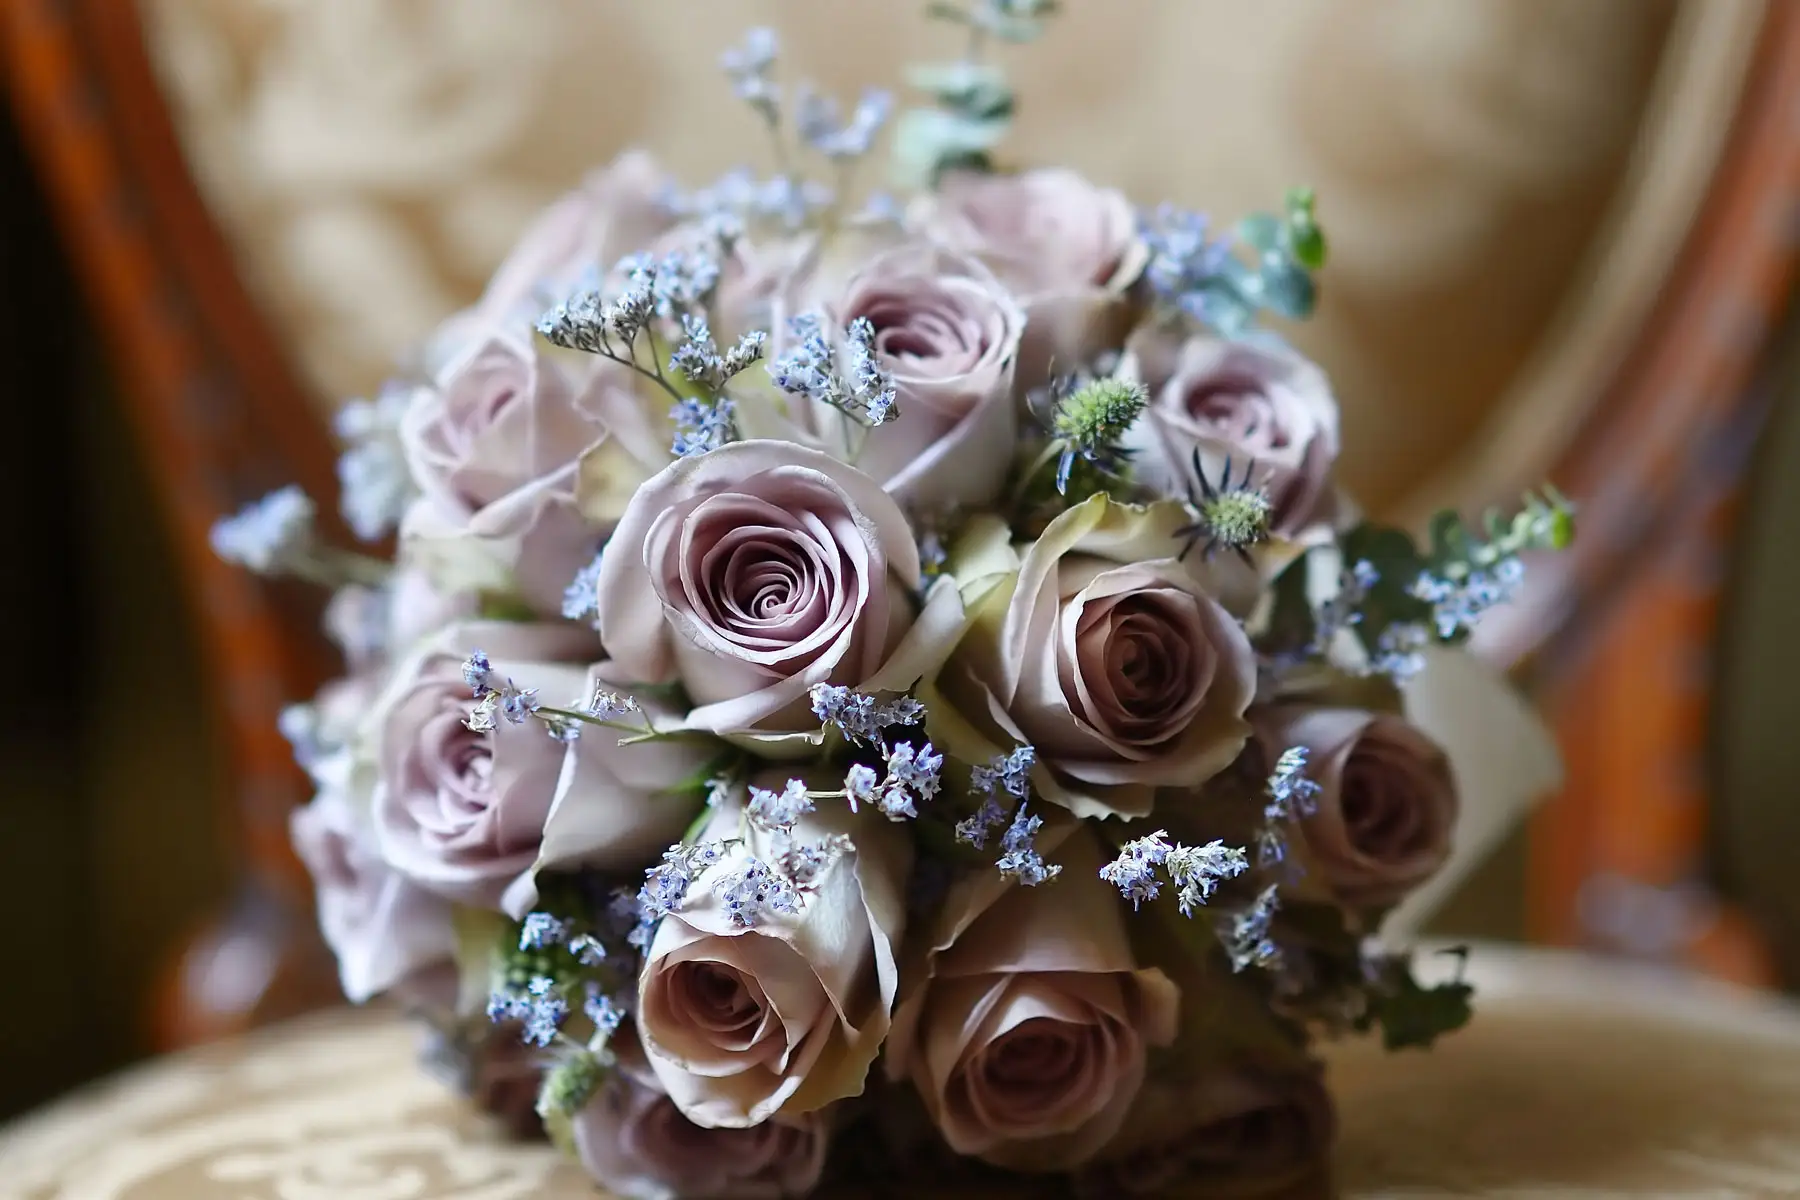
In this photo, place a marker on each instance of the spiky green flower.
(1097, 414)
(1233, 515)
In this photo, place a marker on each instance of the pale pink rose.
(1237, 1131)
(468, 814)
(417, 608)
(383, 927)
(1250, 402)
(494, 445)
(948, 333)
(616, 806)
(612, 212)
(786, 1016)
(1387, 802)
(752, 573)
(1109, 656)
(1027, 1037)
(1067, 248)
(635, 1142)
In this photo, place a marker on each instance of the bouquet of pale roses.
(890, 689)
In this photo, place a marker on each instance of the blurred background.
(1563, 236)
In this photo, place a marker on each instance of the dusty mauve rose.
(495, 444)
(1249, 402)
(382, 927)
(614, 211)
(948, 333)
(1237, 1131)
(786, 1016)
(1067, 248)
(1027, 1039)
(1387, 802)
(755, 571)
(465, 813)
(1109, 656)
(634, 1141)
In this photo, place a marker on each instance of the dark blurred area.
(110, 847)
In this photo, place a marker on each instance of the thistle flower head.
(1234, 516)
(1097, 414)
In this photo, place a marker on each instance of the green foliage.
(974, 102)
(1411, 1015)
(1277, 277)
(1545, 521)
(570, 1084)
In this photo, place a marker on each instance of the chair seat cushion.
(1575, 1078)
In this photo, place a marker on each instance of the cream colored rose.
(1026, 1031)
(612, 212)
(1068, 249)
(472, 816)
(784, 1016)
(635, 1142)
(1112, 658)
(1387, 802)
(494, 444)
(1249, 402)
(948, 333)
(755, 571)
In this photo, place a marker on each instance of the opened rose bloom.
(1387, 801)
(1109, 655)
(756, 571)
(383, 927)
(494, 444)
(947, 332)
(1242, 1130)
(1028, 1034)
(614, 211)
(634, 1140)
(1253, 403)
(751, 1013)
(464, 812)
(1067, 248)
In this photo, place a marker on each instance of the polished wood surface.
(221, 419)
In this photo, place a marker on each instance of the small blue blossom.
(269, 535)
(518, 704)
(540, 930)
(606, 1013)
(374, 483)
(581, 599)
(1290, 797)
(478, 673)
(860, 785)
(974, 830)
(779, 810)
(912, 776)
(1185, 260)
(748, 65)
(588, 950)
(701, 426)
(1246, 934)
(754, 891)
(1019, 856)
(804, 863)
(1198, 870)
(859, 386)
(1399, 651)
(858, 715)
(698, 357)
(1133, 872)
(548, 1010)
(607, 705)
(818, 121)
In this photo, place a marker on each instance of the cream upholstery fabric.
(1479, 162)
(1575, 1081)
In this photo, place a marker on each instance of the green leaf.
(1291, 618)
(1288, 290)
(1397, 564)
(1305, 239)
(1417, 1016)
(1261, 232)
(971, 90)
(929, 141)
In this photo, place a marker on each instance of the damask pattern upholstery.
(1478, 162)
